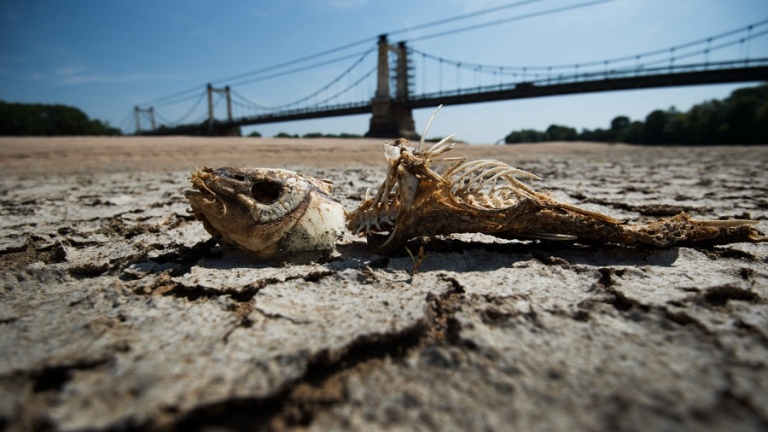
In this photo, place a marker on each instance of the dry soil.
(118, 312)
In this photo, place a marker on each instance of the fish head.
(276, 214)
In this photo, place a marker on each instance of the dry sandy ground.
(88, 155)
(117, 312)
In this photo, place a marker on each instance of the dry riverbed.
(116, 311)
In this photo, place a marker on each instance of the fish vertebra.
(486, 197)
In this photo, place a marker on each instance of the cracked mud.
(118, 312)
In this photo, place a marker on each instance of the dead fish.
(486, 196)
(278, 215)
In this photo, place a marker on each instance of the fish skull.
(278, 215)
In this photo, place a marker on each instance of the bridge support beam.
(211, 117)
(137, 116)
(391, 118)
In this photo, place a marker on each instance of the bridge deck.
(683, 75)
(530, 90)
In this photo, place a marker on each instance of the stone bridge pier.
(392, 117)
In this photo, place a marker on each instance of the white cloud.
(76, 75)
(34, 76)
(69, 70)
(347, 4)
(37, 76)
(80, 77)
(477, 5)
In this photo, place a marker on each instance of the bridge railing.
(606, 74)
(303, 111)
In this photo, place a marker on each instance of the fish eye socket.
(239, 177)
(266, 192)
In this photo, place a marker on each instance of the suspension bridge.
(721, 58)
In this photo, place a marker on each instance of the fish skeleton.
(486, 196)
(281, 215)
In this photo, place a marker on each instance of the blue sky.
(106, 56)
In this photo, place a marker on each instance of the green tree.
(561, 133)
(761, 118)
(741, 118)
(524, 136)
(619, 123)
(741, 109)
(40, 119)
(704, 122)
(632, 133)
(654, 129)
(676, 129)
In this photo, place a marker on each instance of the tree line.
(343, 135)
(741, 118)
(41, 119)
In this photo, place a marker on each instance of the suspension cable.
(191, 110)
(510, 19)
(348, 88)
(315, 93)
(341, 48)
(612, 60)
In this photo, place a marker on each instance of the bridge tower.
(212, 128)
(392, 118)
(137, 112)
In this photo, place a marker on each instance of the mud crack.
(55, 377)
(322, 385)
(719, 296)
(617, 299)
(165, 285)
(35, 250)
(444, 326)
(326, 377)
(47, 385)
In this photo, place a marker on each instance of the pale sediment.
(117, 312)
